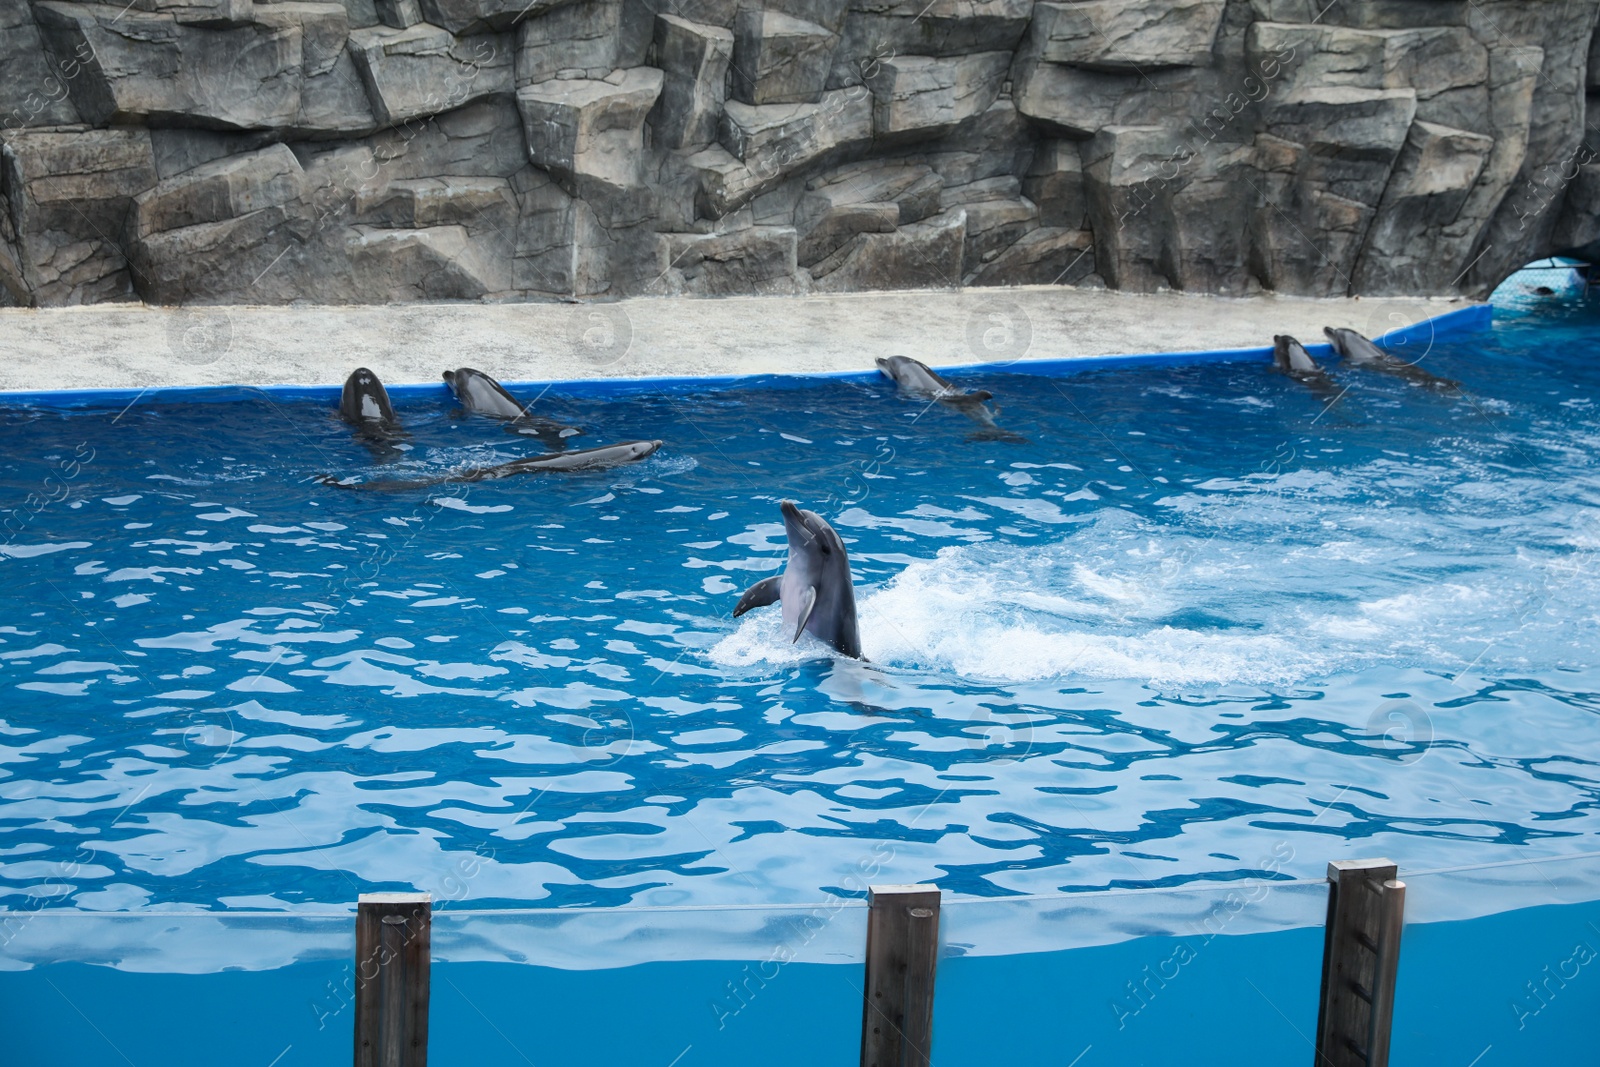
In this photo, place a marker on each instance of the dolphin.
(481, 394)
(588, 459)
(1291, 358)
(815, 587)
(1360, 352)
(917, 379)
(364, 404)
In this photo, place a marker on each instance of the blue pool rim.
(1460, 321)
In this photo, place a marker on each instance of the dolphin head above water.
(815, 588)
(1354, 347)
(915, 377)
(480, 393)
(365, 402)
(1291, 357)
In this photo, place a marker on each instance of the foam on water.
(1190, 620)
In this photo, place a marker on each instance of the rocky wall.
(231, 151)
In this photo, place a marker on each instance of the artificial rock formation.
(195, 151)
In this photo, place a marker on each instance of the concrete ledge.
(130, 346)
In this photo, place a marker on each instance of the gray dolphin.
(1291, 357)
(364, 404)
(588, 459)
(917, 379)
(1358, 351)
(815, 587)
(482, 395)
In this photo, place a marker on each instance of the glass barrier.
(1496, 967)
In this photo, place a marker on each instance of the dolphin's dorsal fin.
(759, 595)
(808, 603)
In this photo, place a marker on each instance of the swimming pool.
(1194, 628)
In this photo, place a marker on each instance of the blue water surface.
(1196, 624)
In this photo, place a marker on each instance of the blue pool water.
(1195, 627)
(1488, 991)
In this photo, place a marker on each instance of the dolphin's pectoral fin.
(759, 595)
(808, 603)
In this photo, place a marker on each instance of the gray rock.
(1166, 215)
(33, 85)
(923, 255)
(912, 187)
(994, 225)
(1593, 67)
(994, 142)
(758, 259)
(612, 261)
(1127, 35)
(1521, 228)
(482, 205)
(1290, 208)
(636, 31)
(333, 98)
(481, 139)
(828, 231)
(66, 197)
(1001, 187)
(251, 259)
(1385, 14)
(829, 14)
(1427, 189)
(543, 255)
(588, 133)
(1318, 56)
(176, 151)
(880, 29)
(1050, 255)
(772, 140)
(581, 37)
(927, 94)
(152, 68)
(435, 263)
(425, 69)
(1055, 183)
(222, 189)
(779, 59)
(335, 103)
(1578, 231)
(199, 12)
(709, 12)
(483, 16)
(398, 14)
(1078, 102)
(693, 59)
(362, 13)
(1354, 135)
(862, 198)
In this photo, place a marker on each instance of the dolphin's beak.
(794, 526)
(1328, 330)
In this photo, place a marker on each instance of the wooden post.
(902, 952)
(1360, 963)
(392, 940)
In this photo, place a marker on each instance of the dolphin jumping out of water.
(1358, 351)
(815, 588)
(917, 379)
(364, 404)
(588, 459)
(482, 395)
